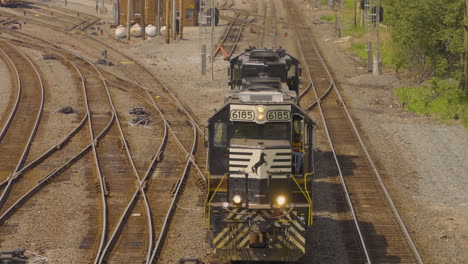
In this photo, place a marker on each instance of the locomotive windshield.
(247, 130)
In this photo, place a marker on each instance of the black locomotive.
(260, 159)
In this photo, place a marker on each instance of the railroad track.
(233, 33)
(268, 33)
(176, 177)
(378, 228)
(21, 126)
(54, 16)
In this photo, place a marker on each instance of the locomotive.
(260, 160)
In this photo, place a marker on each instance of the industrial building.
(132, 8)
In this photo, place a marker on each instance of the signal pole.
(213, 19)
(465, 77)
(181, 19)
(174, 19)
(142, 18)
(158, 17)
(128, 19)
(167, 11)
(377, 69)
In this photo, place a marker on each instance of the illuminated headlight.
(260, 117)
(260, 109)
(237, 199)
(281, 200)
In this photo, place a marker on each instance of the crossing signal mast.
(373, 15)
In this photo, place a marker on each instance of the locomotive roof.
(267, 56)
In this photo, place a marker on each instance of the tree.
(428, 35)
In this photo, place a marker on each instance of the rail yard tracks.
(170, 174)
(21, 126)
(232, 35)
(382, 236)
(51, 16)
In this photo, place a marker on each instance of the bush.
(440, 98)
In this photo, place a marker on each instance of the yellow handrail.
(208, 203)
(306, 195)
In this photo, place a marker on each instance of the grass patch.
(359, 49)
(328, 18)
(440, 98)
(387, 50)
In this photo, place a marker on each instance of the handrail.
(308, 198)
(207, 203)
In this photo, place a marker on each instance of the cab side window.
(220, 135)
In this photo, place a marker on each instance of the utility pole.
(158, 17)
(142, 18)
(174, 20)
(377, 69)
(167, 15)
(355, 6)
(213, 20)
(128, 19)
(465, 55)
(181, 19)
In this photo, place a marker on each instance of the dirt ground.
(424, 162)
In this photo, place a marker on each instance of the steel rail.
(370, 161)
(30, 20)
(229, 29)
(18, 93)
(192, 123)
(164, 86)
(314, 104)
(170, 212)
(155, 105)
(54, 173)
(47, 153)
(83, 28)
(103, 253)
(178, 104)
(124, 142)
(159, 81)
(34, 129)
(129, 157)
(102, 187)
(238, 36)
(327, 133)
(63, 11)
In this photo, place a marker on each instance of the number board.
(278, 115)
(242, 115)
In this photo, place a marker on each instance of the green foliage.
(327, 18)
(428, 34)
(360, 50)
(440, 98)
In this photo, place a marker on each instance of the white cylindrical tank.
(150, 30)
(163, 30)
(121, 31)
(136, 30)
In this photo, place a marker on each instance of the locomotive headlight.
(237, 199)
(281, 200)
(260, 117)
(260, 109)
